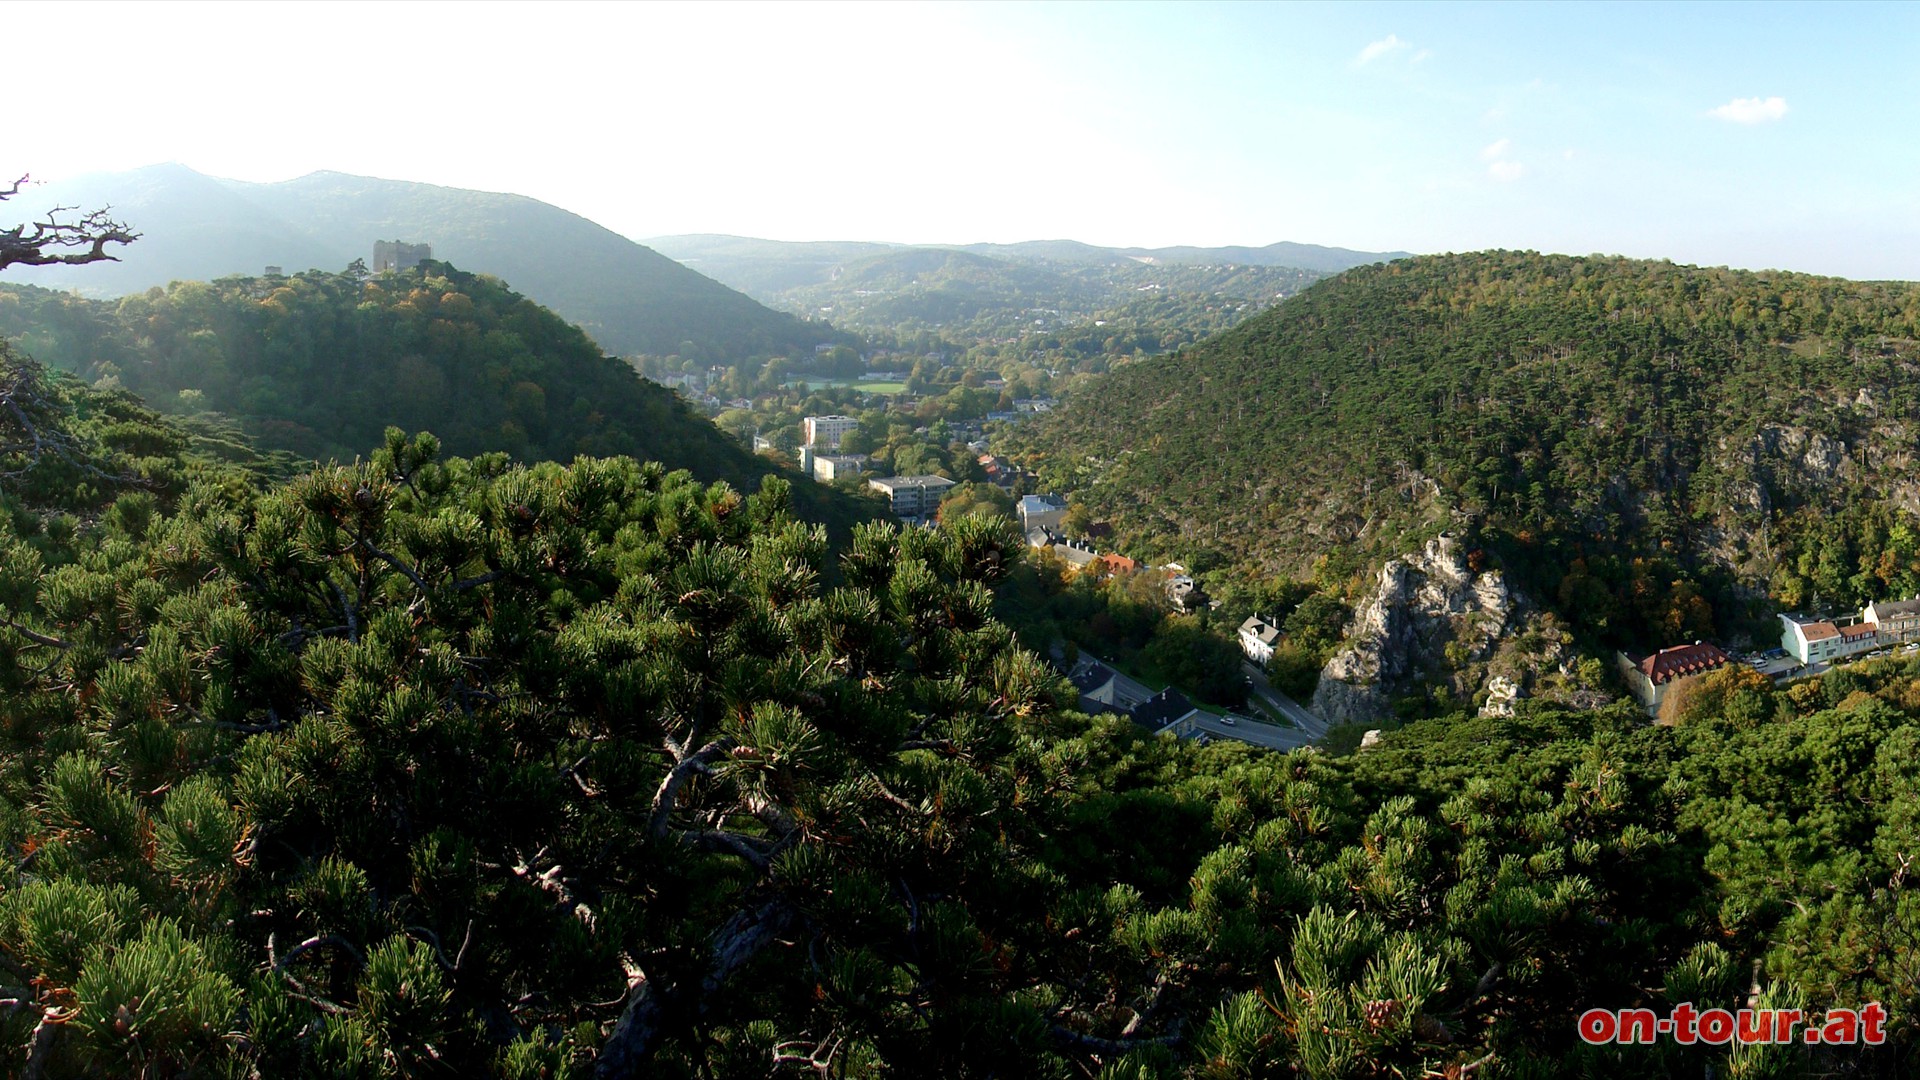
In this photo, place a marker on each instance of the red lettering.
(1637, 1026)
(1842, 1026)
(1756, 1026)
(1683, 1020)
(1716, 1027)
(1598, 1026)
(1872, 1015)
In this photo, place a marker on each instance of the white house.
(1257, 639)
(1819, 641)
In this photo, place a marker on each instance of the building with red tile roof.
(1651, 678)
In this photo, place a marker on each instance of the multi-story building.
(1897, 620)
(913, 497)
(1653, 678)
(1257, 639)
(1042, 511)
(825, 432)
(829, 467)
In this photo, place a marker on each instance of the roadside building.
(1652, 679)
(1820, 641)
(1167, 712)
(1897, 620)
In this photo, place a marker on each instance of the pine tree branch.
(37, 639)
(1108, 1047)
(651, 1005)
(40, 1043)
(412, 574)
(729, 843)
(664, 797)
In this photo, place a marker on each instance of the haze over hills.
(628, 298)
(1154, 298)
(767, 268)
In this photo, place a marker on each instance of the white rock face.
(1423, 603)
(1502, 692)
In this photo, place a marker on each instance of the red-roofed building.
(1652, 678)
(1119, 564)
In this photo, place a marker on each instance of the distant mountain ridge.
(767, 268)
(629, 298)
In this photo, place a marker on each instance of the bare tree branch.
(68, 242)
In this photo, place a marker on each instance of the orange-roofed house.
(1119, 564)
(1654, 677)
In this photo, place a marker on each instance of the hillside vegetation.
(1653, 448)
(445, 767)
(629, 298)
(320, 364)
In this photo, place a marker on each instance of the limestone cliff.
(1434, 619)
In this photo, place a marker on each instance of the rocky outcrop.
(1431, 612)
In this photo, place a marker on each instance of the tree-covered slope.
(630, 298)
(322, 364)
(441, 767)
(1596, 423)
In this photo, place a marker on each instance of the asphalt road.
(1270, 736)
(1306, 721)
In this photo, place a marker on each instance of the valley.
(1020, 659)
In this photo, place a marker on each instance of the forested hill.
(322, 363)
(630, 298)
(1591, 421)
(431, 767)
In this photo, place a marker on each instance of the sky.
(1758, 136)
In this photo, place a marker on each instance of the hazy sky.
(1758, 136)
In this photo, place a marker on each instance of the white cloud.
(1496, 150)
(1751, 110)
(1506, 171)
(1567, 153)
(1374, 51)
(1421, 55)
